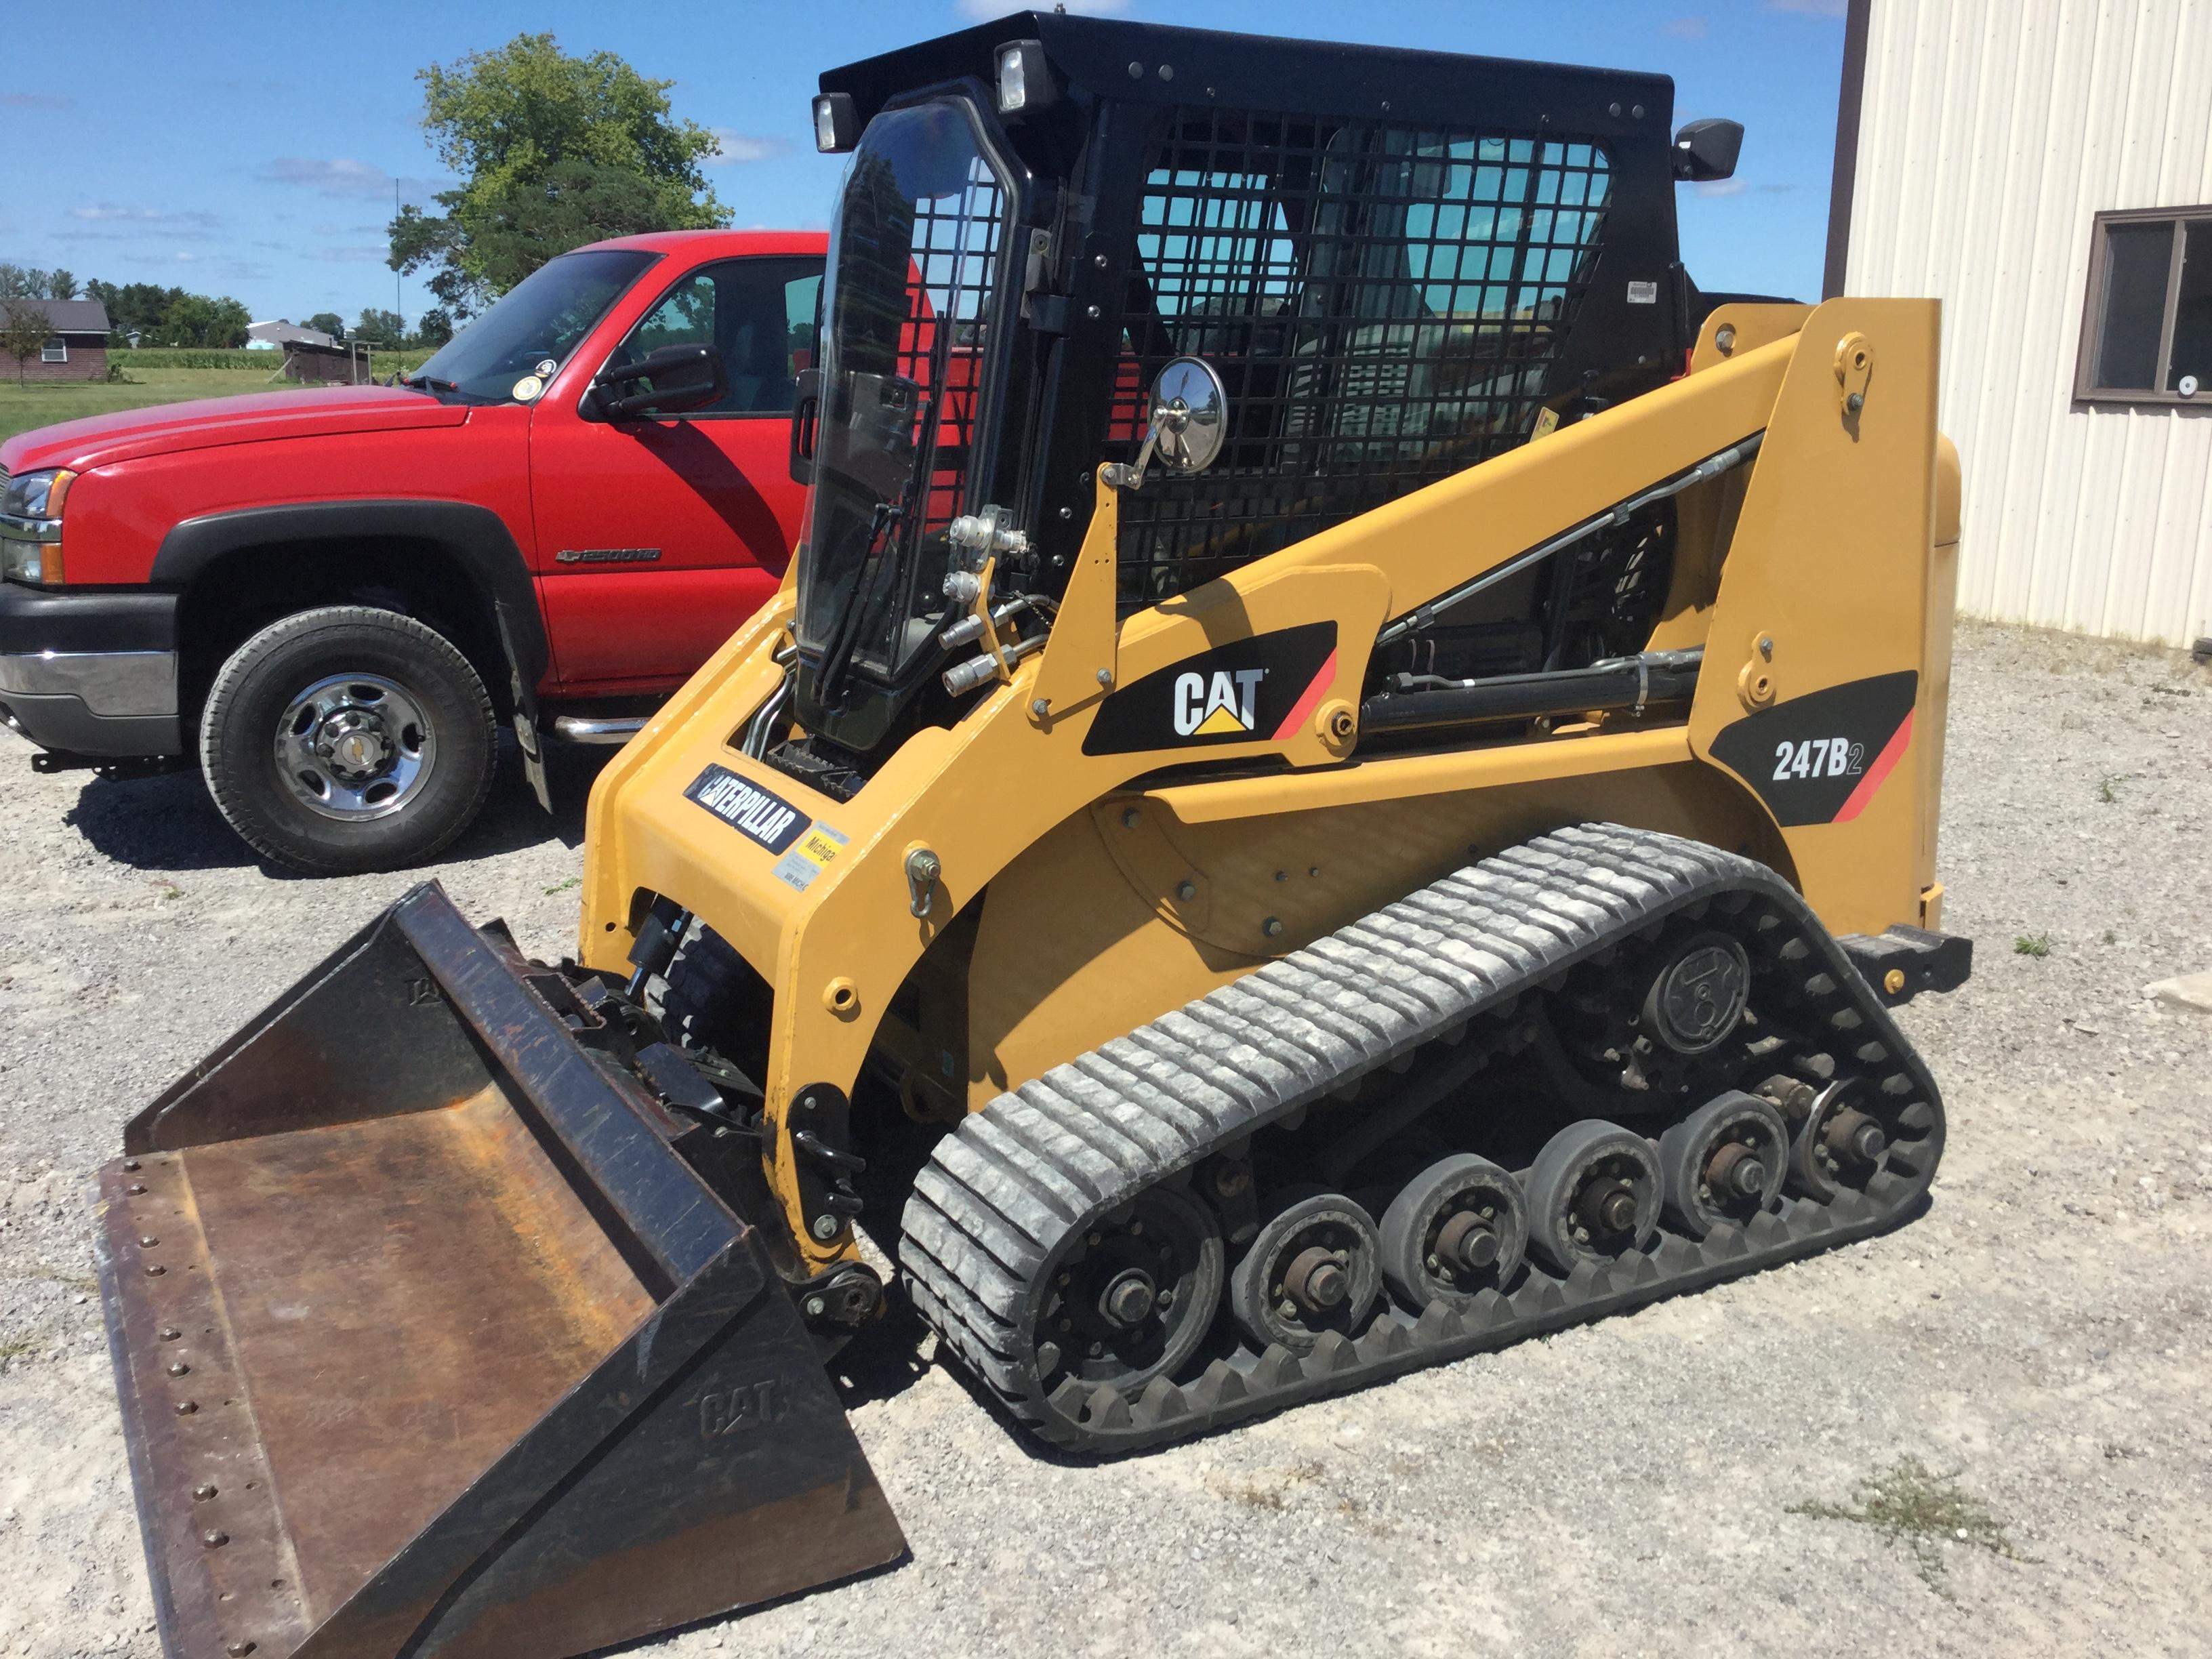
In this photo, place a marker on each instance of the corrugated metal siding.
(1990, 133)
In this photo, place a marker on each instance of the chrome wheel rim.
(355, 746)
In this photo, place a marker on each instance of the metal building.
(2044, 168)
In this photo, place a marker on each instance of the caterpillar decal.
(1818, 758)
(1248, 691)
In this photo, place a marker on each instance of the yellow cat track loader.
(1346, 773)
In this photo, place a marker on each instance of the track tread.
(1006, 1190)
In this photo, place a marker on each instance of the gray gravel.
(1630, 1487)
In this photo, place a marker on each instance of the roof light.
(1026, 83)
(837, 124)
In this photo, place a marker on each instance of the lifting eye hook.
(922, 870)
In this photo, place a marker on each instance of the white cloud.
(1808, 8)
(348, 256)
(342, 177)
(1686, 28)
(186, 255)
(988, 11)
(144, 215)
(732, 146)
(1721, 187)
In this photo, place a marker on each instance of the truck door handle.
(806, 415)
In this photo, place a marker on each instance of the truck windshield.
(540, 320)
(914, 257)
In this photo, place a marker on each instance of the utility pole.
(398, 309)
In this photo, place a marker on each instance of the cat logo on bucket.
(1218, 707)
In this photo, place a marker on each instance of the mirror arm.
(1115, 476)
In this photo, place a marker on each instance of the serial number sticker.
(813, 853)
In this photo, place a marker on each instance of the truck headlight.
(31, 526)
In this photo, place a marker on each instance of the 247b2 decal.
(1819, 757)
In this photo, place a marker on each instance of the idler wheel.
(1723, 1162)
(1698, 999)
(1594, 1191)
(1459, 1227)
(1130, 1297)
(1315, 1267)
(1839, 1144)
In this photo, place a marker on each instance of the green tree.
(195, 320)
(61, 284)
(553, 150)
(22, 282)
(433, 327)
(24, 332)
(382, 326)
(329, 323)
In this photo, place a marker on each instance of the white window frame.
(55, 350)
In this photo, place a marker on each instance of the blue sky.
(190, 154)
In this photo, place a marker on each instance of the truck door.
(656, 537)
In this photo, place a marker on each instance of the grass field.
(43, 404)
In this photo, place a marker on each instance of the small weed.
(2031, 945)
(2111, 937)
(170, 892)
(1273, 1492)
(563, 886)
(2106, 792)
(16, 1347)
(83, 1283)
(1909, 1503)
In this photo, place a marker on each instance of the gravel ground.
(2036, 1345)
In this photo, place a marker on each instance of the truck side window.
(757, 312)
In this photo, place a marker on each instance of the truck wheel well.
(244, 591)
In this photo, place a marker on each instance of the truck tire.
(348, 739)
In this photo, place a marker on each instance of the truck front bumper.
(91, 673)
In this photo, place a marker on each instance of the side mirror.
(683, 377)
(1707, 150)
(1190, 419)
(1189, 415)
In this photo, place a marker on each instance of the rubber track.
(1003, 1191)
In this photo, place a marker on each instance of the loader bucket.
(430, 1339)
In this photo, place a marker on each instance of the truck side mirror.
(682, 377)
(1707, 150)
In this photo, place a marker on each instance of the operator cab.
(1389, 264)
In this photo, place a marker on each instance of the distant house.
(280, 335)
(77, 349)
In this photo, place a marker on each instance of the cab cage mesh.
(1384, 303)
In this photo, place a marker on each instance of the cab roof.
(1155, 63)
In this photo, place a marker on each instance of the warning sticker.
(811, 856)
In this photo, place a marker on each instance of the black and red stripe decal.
(1820, 758)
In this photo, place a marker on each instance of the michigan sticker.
(811, 856)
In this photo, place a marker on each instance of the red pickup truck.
(334, 596)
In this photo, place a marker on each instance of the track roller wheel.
(1723, 1162)
(1315, 1268)
(1132, 1296)
(1459, 1227)
(1839, 1144)
(1594, 1191)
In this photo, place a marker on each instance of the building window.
(56, 350)
(2147, 329)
